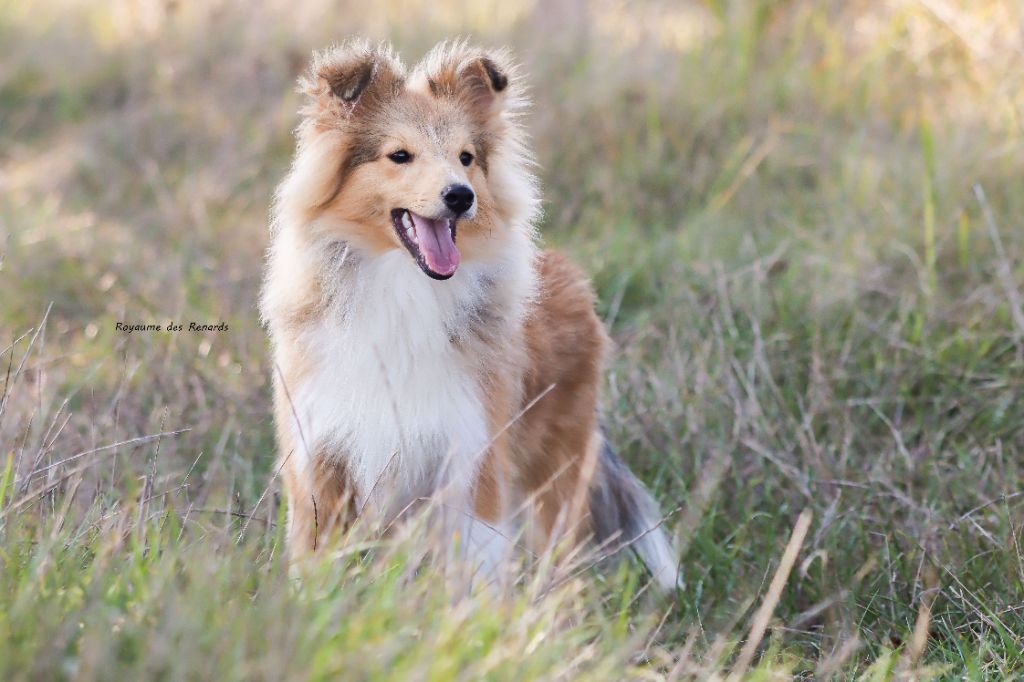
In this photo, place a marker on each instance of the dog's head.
(426, 160)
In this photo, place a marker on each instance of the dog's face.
(403, 161)
(422, 185)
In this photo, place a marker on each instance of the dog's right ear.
(350, 80)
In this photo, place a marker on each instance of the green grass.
(804, 223)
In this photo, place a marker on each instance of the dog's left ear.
(485, 81)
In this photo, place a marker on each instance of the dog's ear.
(350, 80)
(485, 81)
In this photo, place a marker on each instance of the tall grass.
(804, 223)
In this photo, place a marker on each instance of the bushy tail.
(625, 515)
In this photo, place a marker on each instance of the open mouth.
(431, 241)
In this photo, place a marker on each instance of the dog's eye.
(466, 158)
(401, 156)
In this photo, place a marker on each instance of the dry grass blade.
(764, 612)
(9, 386)
(266, 489)
(140, 440)
(1003, 267)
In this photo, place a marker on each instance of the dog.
(423, 345)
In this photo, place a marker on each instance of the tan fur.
(555, 438)
(530, 339)
(322, 505)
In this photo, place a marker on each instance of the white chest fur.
(390, 388)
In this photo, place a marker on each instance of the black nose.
(458, 198)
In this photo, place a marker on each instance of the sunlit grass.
(804, 223)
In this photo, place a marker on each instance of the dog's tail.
(624, 515)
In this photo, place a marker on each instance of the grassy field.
(805, 221)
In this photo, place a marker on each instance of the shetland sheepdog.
(423, 345)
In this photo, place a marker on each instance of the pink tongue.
(436, 244)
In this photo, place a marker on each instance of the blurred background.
(803, 219)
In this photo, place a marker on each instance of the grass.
(804, 223)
